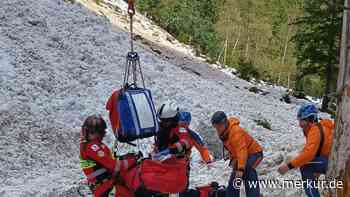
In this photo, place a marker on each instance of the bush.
(247, 70)
(264, 123)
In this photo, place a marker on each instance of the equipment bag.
(169, 176)
(137, 114)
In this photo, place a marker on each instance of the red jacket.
(178, 138)
(200, 146)
(99, 166)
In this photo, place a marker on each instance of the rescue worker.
(96, 160)
(173, 139)
(245, 154)
(198, 142)
(313, 159)
(171, 136)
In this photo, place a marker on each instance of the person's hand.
(283, 169)
(239, 174)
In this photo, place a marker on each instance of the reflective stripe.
(117, 166)
(126, 164)
(87, 163)
(96, 173)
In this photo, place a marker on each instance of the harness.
(320, 146)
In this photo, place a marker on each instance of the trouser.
(250, 176)
(308, 171)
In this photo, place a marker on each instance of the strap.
(96, 173)
(321, 140)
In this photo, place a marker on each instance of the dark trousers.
(318, 165)
(250, 175)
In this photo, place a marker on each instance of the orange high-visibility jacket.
(239, 143)
(313, 139)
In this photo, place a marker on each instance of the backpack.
(137, 114)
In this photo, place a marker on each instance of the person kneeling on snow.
(96, 160)
(171, 138)
(313, 160)
(245, 154)
(198, 142)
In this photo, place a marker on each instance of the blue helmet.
(185, 117)
(307, 111)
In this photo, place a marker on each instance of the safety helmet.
(185, 117)
(94, 124)
(218, 117)
(168, 110)
(307, 111)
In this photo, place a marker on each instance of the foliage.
(247, 70)
(317, 42)
(190, 21)
(264, 123)
(279, 41)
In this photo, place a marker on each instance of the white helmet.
(168, 110)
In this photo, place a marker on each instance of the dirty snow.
(59, 62)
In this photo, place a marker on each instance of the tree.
(190, 21)
(339, 166)
(317, 42)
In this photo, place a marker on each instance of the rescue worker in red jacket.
(245, 154)
(172, 139)
(313, 159)
(96, 160)
(197, 140)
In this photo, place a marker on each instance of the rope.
(133, 65)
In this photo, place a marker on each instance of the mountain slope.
(59, 63)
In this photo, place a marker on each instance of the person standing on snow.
(96, 160)
(245, 154)
(313, 159)
(198, 142)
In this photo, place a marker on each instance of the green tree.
(190, 21)
(317, 42)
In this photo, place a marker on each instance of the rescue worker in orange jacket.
(197, 140)
(245, 154)
(96, 160)
(313, 159)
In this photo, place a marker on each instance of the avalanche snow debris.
(59, 62)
